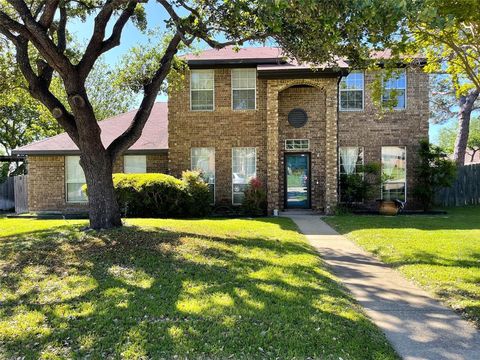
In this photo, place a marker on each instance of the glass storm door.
(297, 179)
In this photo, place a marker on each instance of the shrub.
(359, 186)
(255, 200)
(160, 195)
(197, 194)
(434, 171)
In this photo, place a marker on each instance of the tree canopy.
(318, 31)
(448, 33)
(447, 136)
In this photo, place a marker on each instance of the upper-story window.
(244, 89)
(351, 91)
(202, 90)
(394, 90)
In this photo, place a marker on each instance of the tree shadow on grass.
(154, 293)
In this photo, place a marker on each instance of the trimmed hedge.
(160, 195)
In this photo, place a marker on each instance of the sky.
(131, 36)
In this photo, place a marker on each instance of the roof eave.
(77, 152)
(208, 63)
(299, 73)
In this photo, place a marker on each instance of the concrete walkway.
(417, 326)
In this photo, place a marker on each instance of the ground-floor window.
(135, 164)
(74, 179)
(350, 163)
(203, 160)
(394, 172)
(244, 168)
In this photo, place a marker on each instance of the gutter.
(22, 153)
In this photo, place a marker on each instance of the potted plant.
(390, 207)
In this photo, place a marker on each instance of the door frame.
(309, 183)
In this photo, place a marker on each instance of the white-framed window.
(244, 89)
(244, 169)
(202, 90)
(74, 180)
(352, 91)
(394, 172)
(135, 164)
(395, 90)
(297, 144)
(203, 160)
(350, 161)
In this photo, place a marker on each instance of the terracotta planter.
(388, 207)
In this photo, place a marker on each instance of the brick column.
(331, 162)
(272, 147)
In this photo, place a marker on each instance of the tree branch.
(114, 39)
(134, 131)
(38, 88)
(48, 13)
(38, 35)
(96, 43)
(200, 30)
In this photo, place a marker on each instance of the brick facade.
(221, 129)
(46, 181)
(266, 129)
(372, 129)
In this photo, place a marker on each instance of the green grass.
(441, 252)
(159, 288)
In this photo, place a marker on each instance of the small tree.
(357, 187)
(434, 171)
(255, 201)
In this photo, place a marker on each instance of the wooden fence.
(7, 197)
(465, 190)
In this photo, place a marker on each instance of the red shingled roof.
(154, 136)
(229, 53)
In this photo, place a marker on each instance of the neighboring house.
(252, 113)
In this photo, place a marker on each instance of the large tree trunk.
(97, 165)
(104, 212)
(465, 110)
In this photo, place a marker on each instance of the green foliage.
(108, 96)
(434, 171)
(4, 169)
(160, 195)
(447, 135)
(255, 200)
(24, 120)
(357, 187)
(138, 67)
(197, 194)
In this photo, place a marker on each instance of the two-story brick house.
(252, 113)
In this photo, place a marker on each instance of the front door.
(297, 181)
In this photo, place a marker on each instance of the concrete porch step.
(290, 212)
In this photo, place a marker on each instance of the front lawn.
(160, 288)
(441, 253)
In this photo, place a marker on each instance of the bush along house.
(253, 113)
